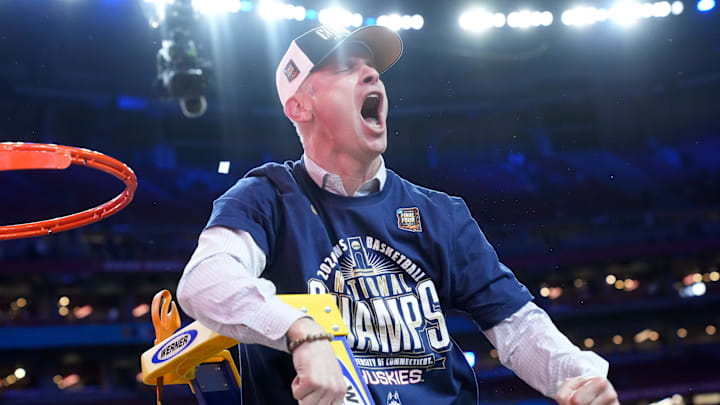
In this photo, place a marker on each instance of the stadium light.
(83, 311)
(406, 22)
(274, 10)
(270, 10)
(677, 7)
(582, 16)
(206, 7)
(693, 290)
(339, 17)
(645, 335)
(626, 13)
(623, 13)
(546, 19)
(299, 13)
(698, 289)
(519, 19)
(140, 310)
(397, 22)
(527, 18)
(417, 22)
(661, 9)
(478, 20)
(705, 5)
(68, 381)
(392, 21)
(535, 18)
(216, 7)
(646, 10)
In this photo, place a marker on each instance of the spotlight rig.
(181, 73)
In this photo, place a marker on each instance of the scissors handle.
(165, 315)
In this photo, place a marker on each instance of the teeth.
(369, 110)
(372, 121)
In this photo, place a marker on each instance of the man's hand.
(586, 391)
(319, 379)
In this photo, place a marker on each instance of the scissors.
(165, 323)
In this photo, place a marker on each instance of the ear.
(297, 108)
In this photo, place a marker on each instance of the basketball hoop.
(23, 156)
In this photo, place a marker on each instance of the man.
(395, 255)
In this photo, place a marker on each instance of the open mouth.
(371, 110)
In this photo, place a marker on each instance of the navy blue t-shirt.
(398, 260)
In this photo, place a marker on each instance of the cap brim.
(384, 43)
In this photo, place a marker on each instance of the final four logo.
(409, 219)
(291, 71)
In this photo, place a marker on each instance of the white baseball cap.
(312, 48)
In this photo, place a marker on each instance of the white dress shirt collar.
(333, 183)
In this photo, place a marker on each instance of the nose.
(370, 75)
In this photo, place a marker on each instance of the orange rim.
(22, 156)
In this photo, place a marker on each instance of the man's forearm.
(244, 308)
(220, 288)
(529, 344)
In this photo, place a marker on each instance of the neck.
(353, 171)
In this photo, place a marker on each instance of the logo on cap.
(291, 71)
(329, 33)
